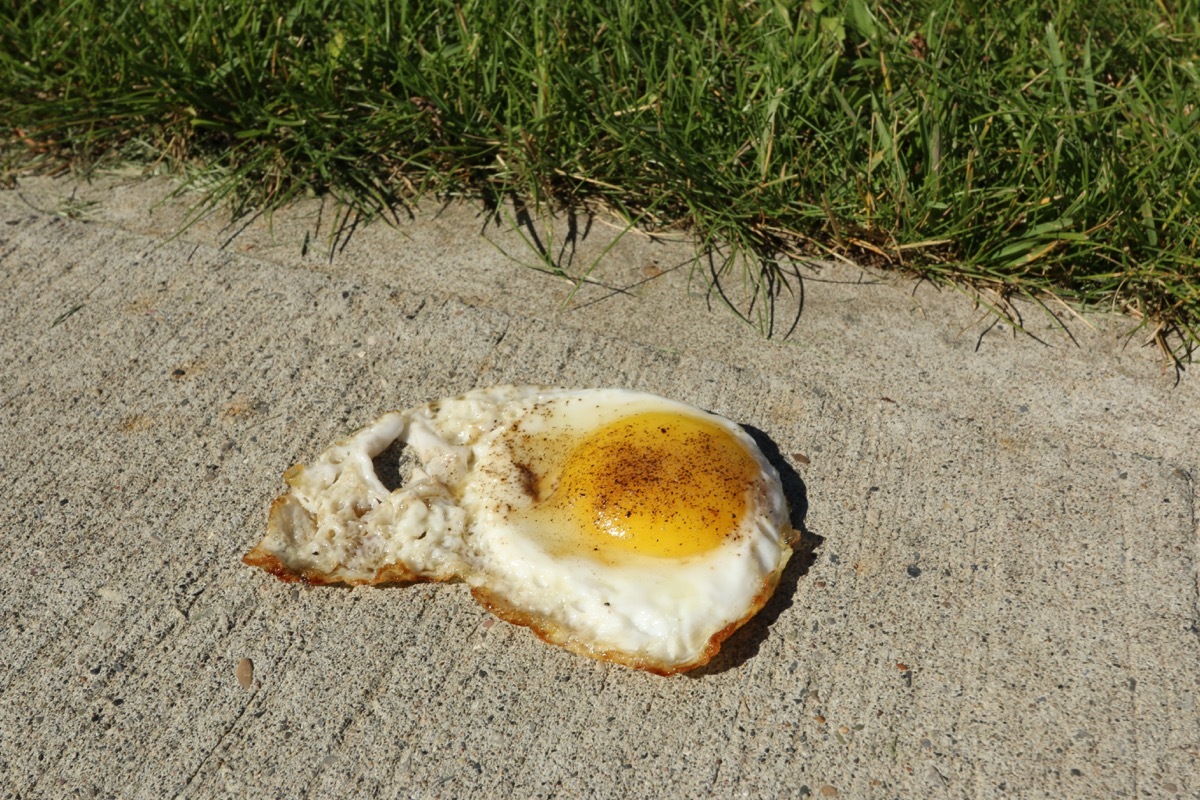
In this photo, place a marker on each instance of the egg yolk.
(657, 484)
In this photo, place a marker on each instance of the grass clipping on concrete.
(1040, 150)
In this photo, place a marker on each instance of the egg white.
(466, 513)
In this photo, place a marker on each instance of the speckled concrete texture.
(997, 596)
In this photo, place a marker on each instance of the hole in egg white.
(394, 465)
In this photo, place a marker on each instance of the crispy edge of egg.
(261, 556)
(414, 426)
(545, 629)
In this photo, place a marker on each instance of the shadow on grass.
(745, 643)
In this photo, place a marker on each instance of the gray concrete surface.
(1000, 599)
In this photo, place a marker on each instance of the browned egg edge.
(259, 556)
(552, 634)
(268, 561)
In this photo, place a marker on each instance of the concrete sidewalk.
(1000, 599)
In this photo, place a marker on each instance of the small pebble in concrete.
(828, 791)
(245, 673)
(914, 571)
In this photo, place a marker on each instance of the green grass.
(1048, 151)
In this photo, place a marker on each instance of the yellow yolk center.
(658, 484)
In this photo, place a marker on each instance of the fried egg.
(620, 525)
